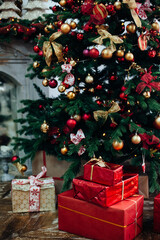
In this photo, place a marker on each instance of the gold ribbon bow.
(98, 161)
(49, 46)
(104, 114)
(132, 6)
(102, 31)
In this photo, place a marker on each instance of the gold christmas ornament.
(92, 90)
(73, 25)
(73, 62)
(120, 53)
(44, 127)
(129, 56)
(155, 26)
(64, 150)
(106, 53)
(71, 95)
(62, 3)
(131, 28)
(157, 122)
(117, 145)
(76, 117)
(65, 28)
(36, 64)
(136, 139)
(76, 90)
(89, 79)
(45, 82)
(118, 5)
(44, 70)
(147, 94)
(24, 168)
(61, 88)
(46, 29)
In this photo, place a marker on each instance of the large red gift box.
(105, 195)
(107, 175)
(122, 221)
(157, 213)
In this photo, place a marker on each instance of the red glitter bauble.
(86, 116)
(113, 77)
(36, 49)
(14, 158)
(54, 9)
(123, 96)
(52, 83)
(99, 87)
(94, 53)
(152, 53)
(40, 53)
(71, 123)
(123, 88)
(80, 36)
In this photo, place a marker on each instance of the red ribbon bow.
(147, 82)
(148, 140)
(142, 8)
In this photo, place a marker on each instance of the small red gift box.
(122, 221)
(105, 195)
(101, 172)
(157, 213)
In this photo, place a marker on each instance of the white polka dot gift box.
(33, 194)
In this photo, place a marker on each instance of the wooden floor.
(44, 225)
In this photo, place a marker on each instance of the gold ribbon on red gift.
(97, 161)
(49, 46)
(132, 6)
(34, 189)
(102, 31)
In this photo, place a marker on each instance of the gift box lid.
(24, 184)
(120, 214)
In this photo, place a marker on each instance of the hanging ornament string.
(102, 31)
(143, 163)
(132, 6)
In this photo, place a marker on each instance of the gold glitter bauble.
(147, 94)
(73, 25)
(44, 127)
(65, 28)
(117, 145)
(45, 82)
(61, 88)
(36, 64)
(131, 28)
(120, 53)
(76, 117)
(62, 3)
(106, 53)
(155, 26)
(136, 139)
(118, 5)
(64, 150)
(71, 95)
(157, 123)
(129, 56)
(89, 79)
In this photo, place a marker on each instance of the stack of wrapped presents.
(103, 204)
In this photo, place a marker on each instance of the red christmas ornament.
(123, 96)
(113, 78)
(120, 59)
(94, 53)
(54, 9)
(66, 130)
(52, 83)
(70, 2)
(71, 123)
(111, 10)
(113, 125)
(41, 107)
(99, 87)
(152, 53)
(59, 23)
(86, 28)
(20, 29)
(80, 36)
(36, 49)
(86, 116)
(100, 12)
(14, 158)
(73, 34)
(123, 88)
(99, 102)
(33, 29)
(40, 53)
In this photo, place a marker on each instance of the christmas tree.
(104, 60)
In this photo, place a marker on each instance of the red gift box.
(157, 213)
(122, 221)
(105, 195)
(109, 174)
